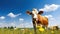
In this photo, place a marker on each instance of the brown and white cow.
(37, 19)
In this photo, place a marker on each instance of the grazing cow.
(37, 19)
(54, 27)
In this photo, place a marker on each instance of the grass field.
(26, 31)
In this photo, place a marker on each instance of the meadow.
(27, 31)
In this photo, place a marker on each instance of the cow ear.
(28, 12)
(40, 12)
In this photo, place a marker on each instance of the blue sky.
(13, 12)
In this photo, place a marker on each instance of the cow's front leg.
(34, 25)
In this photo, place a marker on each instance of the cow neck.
(39, 17)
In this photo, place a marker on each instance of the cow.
(54, 27)
(37, 18)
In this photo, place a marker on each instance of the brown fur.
(42, 20)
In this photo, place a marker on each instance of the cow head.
(34, 13)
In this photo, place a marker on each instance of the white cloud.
(25, 25)
(28, 25)
(21, 19)
(20, 25)
(51, 20)
(2, 17)
(3, 25)
(48, 16)
(7, 24)
(12, 24)
(13, 15)
(51, 7)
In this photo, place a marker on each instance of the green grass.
(26, 31)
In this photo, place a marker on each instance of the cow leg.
(34, 25)
(34, 28)
(46, 27)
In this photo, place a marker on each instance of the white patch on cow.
(35, 12)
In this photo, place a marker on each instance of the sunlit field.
(27, 31)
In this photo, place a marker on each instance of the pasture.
(27, 31)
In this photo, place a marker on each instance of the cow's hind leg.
(46, 28)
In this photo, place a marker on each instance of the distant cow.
(54, 27)
(37, 19)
